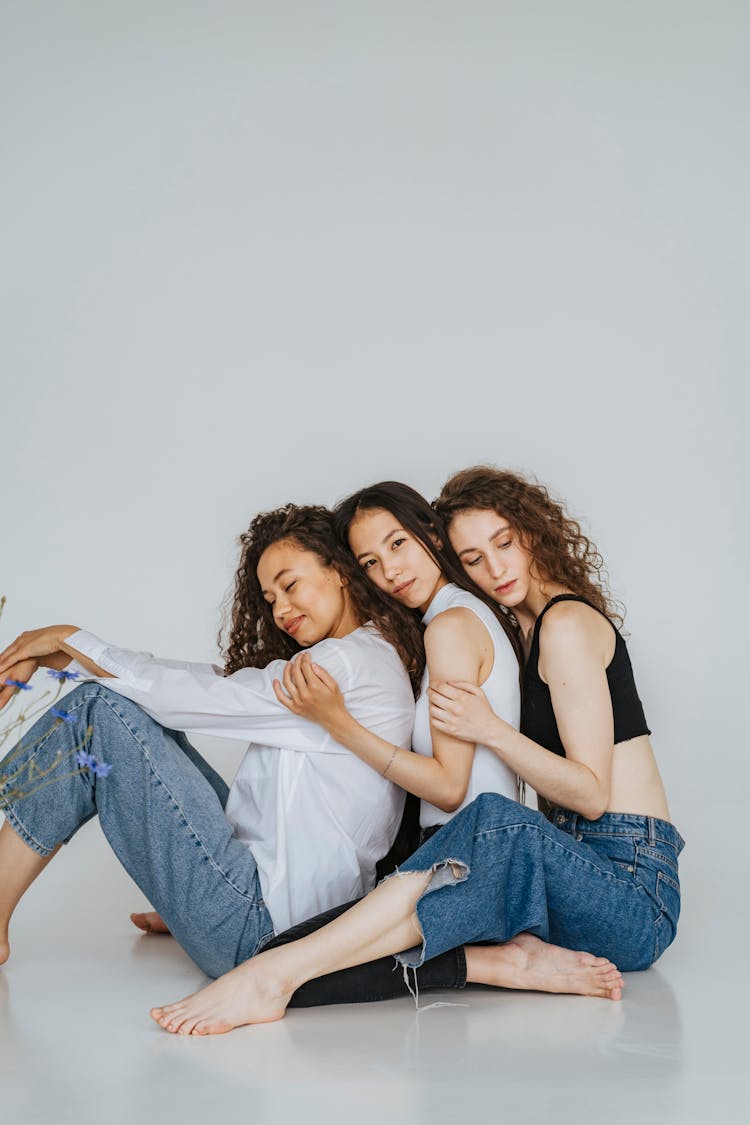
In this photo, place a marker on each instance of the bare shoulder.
(453, 626)
(453, 645)
(574, 628)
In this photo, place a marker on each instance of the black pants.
(378, 980)
(382, 979)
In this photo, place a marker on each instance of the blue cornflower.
(18, 684)
(63, 676)
(85, 760)
(64, 715)
(101, 769)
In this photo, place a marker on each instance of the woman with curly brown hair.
(599, 874)
(304, 823)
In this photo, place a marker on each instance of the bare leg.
(19, 867)
(259, 990)
(150, 922)
(526, 962)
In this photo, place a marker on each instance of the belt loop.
(651, 831)
(573, 823)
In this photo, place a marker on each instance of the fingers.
(454, 689)
(299, 684)
(6, 694)
(283, 698)
(9, 657)
(324, 676)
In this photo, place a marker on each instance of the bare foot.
(526, 962)
(150, 922)
(244, 995)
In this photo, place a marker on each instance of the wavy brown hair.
(251, 639)
(559, 549)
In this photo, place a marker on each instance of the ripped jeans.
(608, 886)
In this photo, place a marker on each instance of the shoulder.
(352, 657)
(336, 656)
(453, 624)
(573, 628)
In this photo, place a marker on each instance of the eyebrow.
(470, 550)
(382, 542)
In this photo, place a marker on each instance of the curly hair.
(419, 518)
(559, 549)
(253, 640)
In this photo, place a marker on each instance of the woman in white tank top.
(398, 541)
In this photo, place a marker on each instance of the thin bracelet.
(390, 761)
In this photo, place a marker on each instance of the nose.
(281, 609)
(391, 570)
(495, 566)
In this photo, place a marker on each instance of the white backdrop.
(260, 252)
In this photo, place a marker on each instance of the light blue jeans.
(162, 810)
(608, 886)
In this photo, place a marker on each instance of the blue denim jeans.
(608, 886)
(162, 810)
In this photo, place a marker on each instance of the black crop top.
(538, 719)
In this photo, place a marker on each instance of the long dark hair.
(418, 517)
(559, 550)
(251, 639)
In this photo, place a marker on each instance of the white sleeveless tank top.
(502, 688)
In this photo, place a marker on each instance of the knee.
(496, 810)
(95, 699)
(86, 693)
(496, 804)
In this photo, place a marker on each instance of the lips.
(506, 588)
(402, 589)
(293, 625)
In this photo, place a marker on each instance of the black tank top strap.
(538, 718)
(533, 657)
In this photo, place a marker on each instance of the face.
(394, 559)
(309, 600)
(492, 555)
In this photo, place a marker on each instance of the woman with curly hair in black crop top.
(597, 872)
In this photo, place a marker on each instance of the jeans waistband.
(649, 828)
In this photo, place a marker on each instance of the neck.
(348, 622)
(536, 599)
(442, 581)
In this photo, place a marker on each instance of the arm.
(38, 648)
(453, 641)
(182, 695)
(574, 664)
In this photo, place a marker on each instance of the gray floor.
(77, 1043)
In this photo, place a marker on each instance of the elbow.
(596, 806)
(451, 801)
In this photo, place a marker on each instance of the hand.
(311, 692)
(22, 673)
(461, 710)
(37, 644)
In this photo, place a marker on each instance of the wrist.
(341, 726)
(497, 734)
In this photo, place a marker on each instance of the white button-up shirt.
(315, 817)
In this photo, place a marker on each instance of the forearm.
(425, 777)
(562, 781)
